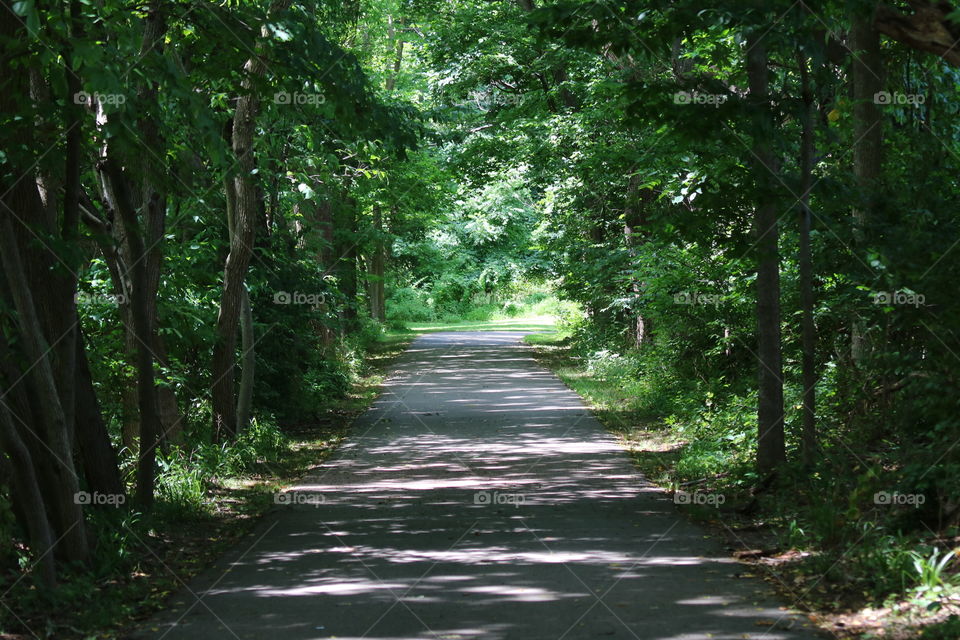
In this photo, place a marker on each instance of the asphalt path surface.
(477, 498)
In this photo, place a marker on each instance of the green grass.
(554, 337)
(532, 324)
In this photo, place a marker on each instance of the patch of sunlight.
(530, 324)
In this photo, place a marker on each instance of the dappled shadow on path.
(477, 499)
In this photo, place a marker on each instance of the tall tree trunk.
(601, 315)
(40, 287)
(128, 191)
(28, 496)
(96, 453)
(345, 250)
(248, 359)
(129, 411)
(242, 236)
(63, 484)
(70, 226)
(325, 257)
(142, 325)
(223, 399)
(155, 228)
(771, 450)
(391, 81)
(807, 325)
(866, 70)
(633, 221)
(377, 267)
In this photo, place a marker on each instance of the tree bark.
(64, 484)
(928, 28)
(866, 72)
(345, 250)
(377, 267)
(391, 81)
(142, 325)
(127, 191)
(771, 450)
(246, 211)
(807, 323)
(325, 257)
(28, 497)
(633, 221)
(96, 453)
(129, 411)
(248, 358)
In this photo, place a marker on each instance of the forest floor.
(478, 497)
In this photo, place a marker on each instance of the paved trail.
(477, 498)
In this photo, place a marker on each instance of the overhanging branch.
(926, 29)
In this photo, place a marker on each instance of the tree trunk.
(807, 324)
(633, 221)
(113, 245)
(142, 326)
(325, 257)
(865, 75)
(248, 358)
(99, 460)
(242, 236)
(129, 411)
(224, 402)
(70, 228)
(391, 81)
(127, 191)
(345, 243)
(770, 444)
(63, 483)
(28, 497)
(39, 287)
(929, 28)
(377, 266)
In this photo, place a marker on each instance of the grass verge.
(532, 324)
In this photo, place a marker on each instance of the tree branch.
(926, 29)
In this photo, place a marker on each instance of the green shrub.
(410, 304)
(260, 443)
(181, 485)
(564, 310)
(480, 313)
(511, 309)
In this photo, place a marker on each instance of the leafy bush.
(564, 310)
(480, 313)
(511, 309)
(410, 304)
(261, 443)
(181, 485)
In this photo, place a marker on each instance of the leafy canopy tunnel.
(741, 216)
